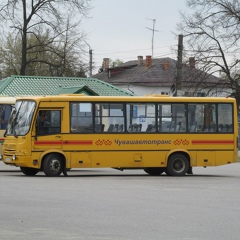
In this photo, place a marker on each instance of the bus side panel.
(206, 158)
(131, 159)
(224, 157)
(80, 160)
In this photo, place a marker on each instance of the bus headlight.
(13, 157)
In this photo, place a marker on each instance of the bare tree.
(69, 49)
(28, 17)
(10, 55)
(59, 56)
(211, 33)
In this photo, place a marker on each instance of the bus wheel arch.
(53, 164)
(178, 163)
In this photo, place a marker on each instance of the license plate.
(8, 159)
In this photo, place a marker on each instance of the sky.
(123, 29)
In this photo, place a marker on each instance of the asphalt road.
(106, 204)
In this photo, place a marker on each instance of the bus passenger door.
(48, 130)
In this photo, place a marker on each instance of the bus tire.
(178, 165)
(154, 171)
(29, 171)
(53, 165)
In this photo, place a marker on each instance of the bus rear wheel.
(29, 171)
(53, 165)
(154, 171)
(178, 165)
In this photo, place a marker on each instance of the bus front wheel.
(29, 171)
(53, 165)
(178, 165)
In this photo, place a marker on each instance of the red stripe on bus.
(87, 142)
(48, 142)
(212, 141)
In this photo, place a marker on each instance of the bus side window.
(40, 122)
(81, 117)
(48, 122)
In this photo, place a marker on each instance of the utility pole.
(90, 62)
(153, 31)
(179, 64)
(90, 59)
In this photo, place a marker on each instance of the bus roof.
(7, 100)
(146, 98)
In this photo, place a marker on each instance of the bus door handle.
(58, 136)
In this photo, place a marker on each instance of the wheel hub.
(55, 165)
(178, 165)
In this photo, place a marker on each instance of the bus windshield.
(20, 119)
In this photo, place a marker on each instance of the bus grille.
(8, 152)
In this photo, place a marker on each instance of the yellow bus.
(159, 134)
(6, 104)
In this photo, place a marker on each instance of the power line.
(127, 51)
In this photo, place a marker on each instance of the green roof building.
(39, 85)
